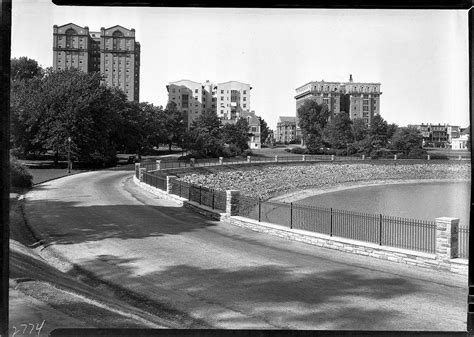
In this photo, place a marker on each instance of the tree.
(237, 135)
(359, 129)
(24, 68)
(141, 127)
(378, 133)
(64, 105)
(264, 130)
(313, 117)
(204, 137)
(338, 131)
(408, 141)
(25, 116)
(174, 125)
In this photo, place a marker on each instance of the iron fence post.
(200, 193)
(380, 230)
(212, 198)
(180, 189)
(189, 191)
(330, 224)
(259, 209)
(291, 215)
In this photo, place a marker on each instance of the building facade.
(255, 141)
(229, 100)
(288, 130)
(358, 99)
(438, 135)
(113, 52)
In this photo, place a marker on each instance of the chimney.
(350, 78)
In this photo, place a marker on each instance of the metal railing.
(215, 199)
(380, 229)
(155, 180)
(463, 242)
(187, 163)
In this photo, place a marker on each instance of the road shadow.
(62, 222)
(282, 296)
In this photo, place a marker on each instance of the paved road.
(227, 277)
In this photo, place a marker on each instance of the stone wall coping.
(460, 261)
(337, 239)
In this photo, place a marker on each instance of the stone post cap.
(447, 219)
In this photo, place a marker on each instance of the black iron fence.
(215, 199)
(155, 180)
(463, 244)
(380, 229)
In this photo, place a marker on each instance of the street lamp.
(69, 155)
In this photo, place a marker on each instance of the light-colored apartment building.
(288, 130)
(113, 52)
(359, 99)
(228, 100)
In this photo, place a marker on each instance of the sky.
(420, 57)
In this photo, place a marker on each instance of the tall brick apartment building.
(113, 52)
(360, 100)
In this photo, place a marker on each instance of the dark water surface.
(424, 201)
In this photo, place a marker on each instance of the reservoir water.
(424, 201)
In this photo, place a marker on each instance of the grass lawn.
(42, 175)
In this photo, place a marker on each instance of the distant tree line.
(57, 111)
(340, 135)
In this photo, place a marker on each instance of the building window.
(185, 100)
(70, 38)
(245, 91)
(196, 91)
(245, 98)
(222, 91)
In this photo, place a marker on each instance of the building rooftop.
(283, 119)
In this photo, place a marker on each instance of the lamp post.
(69, 155)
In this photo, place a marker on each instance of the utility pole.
(69, 155)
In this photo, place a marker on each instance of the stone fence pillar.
(137, 169)
(303, 158)
(276, 158)
(192, 162)
(232, 202)
(169, 184)
(158, 165)
(447, 232)
(363, 157)
(332, 157)
(140, 173)
(460, 158)
(221, 160)
(429, 157)
(248, 159)
(395, 157)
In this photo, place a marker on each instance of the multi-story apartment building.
(438, 135)
(228, 100)
(113, 52)
(288, 130)
(360, 100)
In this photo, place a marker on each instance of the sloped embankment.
(270, 180)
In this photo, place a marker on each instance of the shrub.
(298, 150)
(19, 175)
(247, 152)
(381, 153)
